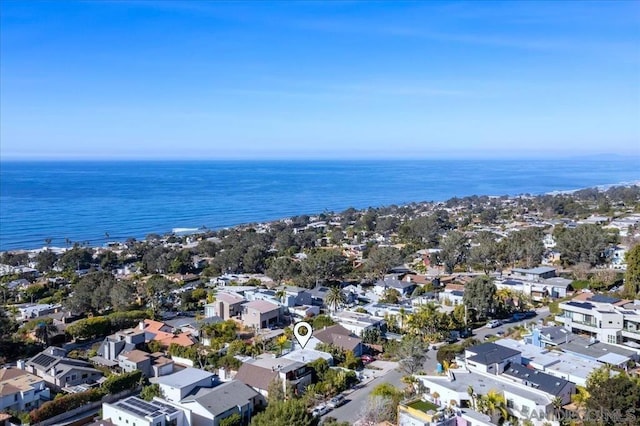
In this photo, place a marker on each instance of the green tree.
(522, 247)
(390, 295)
(454, 250)
(92, 293)
(233, 420)
(412, 354)
(335, 298)
(485, 251)
(282, 268)
(76, 258)
(45, 330)
(122, 295)
(583, 244)
(632, 275)
(321, 266)
(284, 413)
(381, 259)
(479, 295)
(617, 394)
(46, 260)
(151, 391)
(157, 289)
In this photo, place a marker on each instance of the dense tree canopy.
(479, 296)
(582, 244)
(454, 250)
(616, 398)
(284, 413)
(632, 275)
(92, 293)
(382, 259)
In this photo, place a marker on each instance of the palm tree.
(495, 405)
(472, 395)
(335, 298)
(281, 294)
(580, 399)
(402, 314)
(44, 330)
(557, 405)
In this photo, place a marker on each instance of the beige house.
(226, 306)
(260, 314)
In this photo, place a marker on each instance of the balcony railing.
(588, 323)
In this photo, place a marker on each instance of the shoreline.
(191, 231)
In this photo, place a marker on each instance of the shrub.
(65, 403)
(118, 383)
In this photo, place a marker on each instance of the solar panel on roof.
(601, 298)
(43, 360)
(166, 407)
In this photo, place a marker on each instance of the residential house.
(357, 322)
(521, 401)
(260, 373)
(227, 306)
(115, 344)
(175, 387)
(21, 391)
(604, 318)
(133, 411)
(423, 413)
(534, 274)
(30, 311)
(491, 358)
(556, 363)
(209, 406)
(405, 288)
(339, 336)
(151, 365)
(58, 371)
(297, 296)
(261, 314)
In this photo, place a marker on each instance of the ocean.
(86, 201)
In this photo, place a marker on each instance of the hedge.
(65, 403)
(101, 326)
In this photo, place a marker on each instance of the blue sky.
(177, 79)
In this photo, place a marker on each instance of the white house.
(209, 406)
(133, 411)
(178, 385)
(21, 391)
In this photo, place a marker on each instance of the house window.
(510, 403)
(15, 397)
(85, 375)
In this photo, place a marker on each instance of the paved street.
(357, 399)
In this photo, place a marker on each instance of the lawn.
(423, 406)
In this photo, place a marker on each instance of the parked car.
(320, 410)
(493, 323)
(466, 333)
(519, 316)
(336, 401)
(500, 333)
(489, 337)
(366, 359)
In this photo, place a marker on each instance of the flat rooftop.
(483, 384)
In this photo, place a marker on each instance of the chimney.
(141, 325)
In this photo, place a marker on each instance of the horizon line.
(536, 156)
